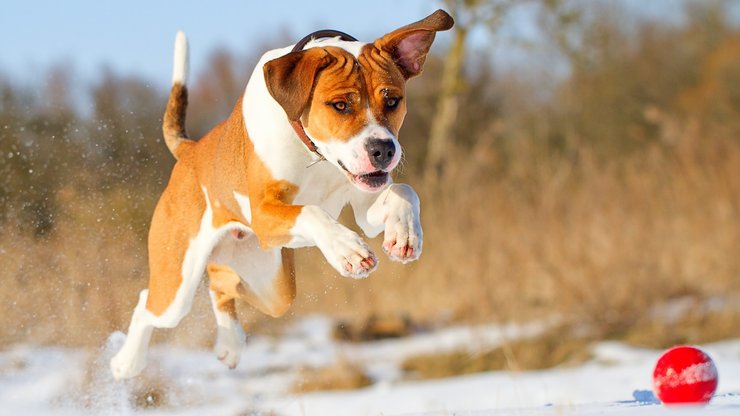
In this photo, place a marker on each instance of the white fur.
(352, 152)
(269, 129)
(398, 209)
(245, 206)
(230, 336)
(131, 358)
(256, 267)
(182, 59)
(342, 247)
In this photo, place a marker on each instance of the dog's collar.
(301, 132)
(296, 124)
(319, 34)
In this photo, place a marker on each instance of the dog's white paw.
(123, 365)
(397, 210)
(229, 343)
(403, 238)
(349, 254)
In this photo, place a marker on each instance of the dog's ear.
(290, 78)
(410, 44)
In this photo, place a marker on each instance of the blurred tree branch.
(468, 15)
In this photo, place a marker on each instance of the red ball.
(685, 375)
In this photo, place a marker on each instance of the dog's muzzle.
(380, 152)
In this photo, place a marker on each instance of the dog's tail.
(173, 123)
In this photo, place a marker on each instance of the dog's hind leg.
(224, 288)
(239, 269)
(178, 252)
(131, 358)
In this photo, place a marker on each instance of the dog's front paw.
(403, 237)
(349, 254)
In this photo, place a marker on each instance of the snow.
(616, 381)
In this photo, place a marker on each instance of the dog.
(315, 129)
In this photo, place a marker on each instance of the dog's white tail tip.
(180, 72)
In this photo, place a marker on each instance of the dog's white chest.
(322, 185)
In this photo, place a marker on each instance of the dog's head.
(350, 97)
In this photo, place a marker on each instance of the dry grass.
(374, 328)
(598, 242)
(595, 241)
(696, 324)
(550, 349)
(78, 285)
(343, 375)
(595, 198)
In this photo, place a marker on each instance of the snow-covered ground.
(41, 381)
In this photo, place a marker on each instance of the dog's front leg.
(278, 223)
(395, 211)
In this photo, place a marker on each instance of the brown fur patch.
(173, 122)
(290, 78)
(363, 83)
(384, 80)
(272, 215)
(225, 285)
(176, 220)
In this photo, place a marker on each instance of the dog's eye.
(340, 106)
(392, 102)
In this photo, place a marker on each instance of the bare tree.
(468, 14)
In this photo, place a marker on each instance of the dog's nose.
(381, 152)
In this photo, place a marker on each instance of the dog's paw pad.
(404, 252)
(403, 239)
(359, 266)
(350, 255)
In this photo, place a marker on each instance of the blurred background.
(576, 161)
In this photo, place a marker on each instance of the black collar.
(326, 33)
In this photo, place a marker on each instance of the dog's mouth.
(372, 181)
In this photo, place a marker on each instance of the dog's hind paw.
(124, 367)
(229, 343)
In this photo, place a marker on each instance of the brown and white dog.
(248, 192)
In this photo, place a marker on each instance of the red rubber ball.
(685, 375)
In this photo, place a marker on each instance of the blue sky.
(137, 36)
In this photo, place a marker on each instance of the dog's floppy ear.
(290, 78)
(410, 44)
